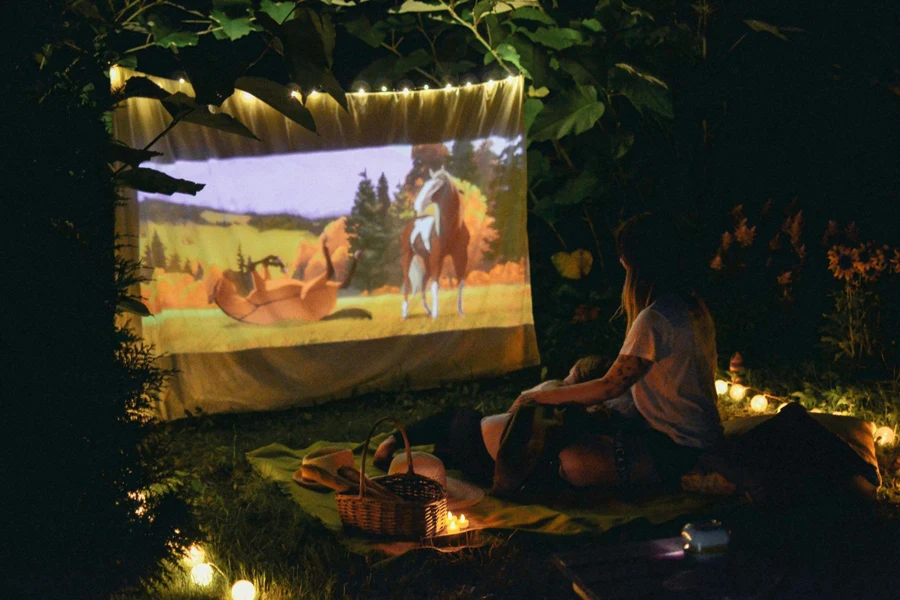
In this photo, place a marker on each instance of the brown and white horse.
(428, 239)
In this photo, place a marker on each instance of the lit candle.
(463, 522)
(450, 516)
(452, 527)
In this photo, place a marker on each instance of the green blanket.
(278, 463)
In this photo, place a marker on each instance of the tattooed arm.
(624, 373)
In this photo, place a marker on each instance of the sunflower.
(840, 262)
(895, 261)
(862, 260)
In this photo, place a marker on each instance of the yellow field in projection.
(181, 331)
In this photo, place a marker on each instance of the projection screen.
(386, 251)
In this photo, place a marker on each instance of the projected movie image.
(336, 246)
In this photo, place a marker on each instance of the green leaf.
(118, 152)
(236, 28)
(418, 6)
(134, 306)
(481, 7)
(577, 190)
(531, 108)
(759, 26)
(405, 64)
(508, 53)
(644, 91)
(308, 43)
(532, 14)
(593, 25)
(148, 180)
(558, 38)
(538, 165)
(361, 28)
(578, 71)
(572, 112)
(142, 87)
(278, 97)
(620, 144)
(191, 112)
(179, 39)
(279, 11)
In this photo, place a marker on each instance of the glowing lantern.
(243, 590)
(758, 403)
(737, 391)
(884, 435)
(202, 574)
(721, 386)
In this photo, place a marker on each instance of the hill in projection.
(311, 248)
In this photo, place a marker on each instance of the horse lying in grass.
(272, 301)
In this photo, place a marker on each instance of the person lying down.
(645, 421)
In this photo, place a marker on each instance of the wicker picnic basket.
(421, 512)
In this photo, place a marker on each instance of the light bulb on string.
(243, 590)
(384, 88)
(406, 90)
(246, 95)
(313, 92)
(511, 78)
(202, 574)
(490, 82)
(737, 391)
(448, 87)
(425, 87)
(295, 94)
(884, 436)
(468, 84)
(181, 80)
(759, 403)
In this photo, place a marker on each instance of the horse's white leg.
(425, 301)
(434, 299)
(404, 311)
(459, 307)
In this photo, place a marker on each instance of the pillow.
(857, 433)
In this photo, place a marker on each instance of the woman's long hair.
(654, 253)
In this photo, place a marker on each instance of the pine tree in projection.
(383, 195)
(157, 251)
(368, 231)
(461, 162)
(174, 263)
(147, 257)
(506, 203)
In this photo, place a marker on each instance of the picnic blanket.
(278, 463)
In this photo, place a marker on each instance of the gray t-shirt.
(677, 396)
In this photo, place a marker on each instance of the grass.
(184, 331)
(252, 530)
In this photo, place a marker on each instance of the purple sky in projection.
(313, 185)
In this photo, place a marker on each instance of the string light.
(758, 403)
(468, 84)
(181, 80)
(406, 90)
(295, 95)
(384, 88)
(246, 95)
(361, 91)
(448, 87)
(884, 435)
(737, 391)
(313, 93)
(511, 78)
(202, 574)
(490, 82)
(425, 87)
(243, 590)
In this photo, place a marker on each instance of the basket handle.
(362, 466)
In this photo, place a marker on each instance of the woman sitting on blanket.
(647, 419)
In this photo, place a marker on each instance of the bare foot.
(385, 453)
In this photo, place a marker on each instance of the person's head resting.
(651, 250)
(587, 369)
